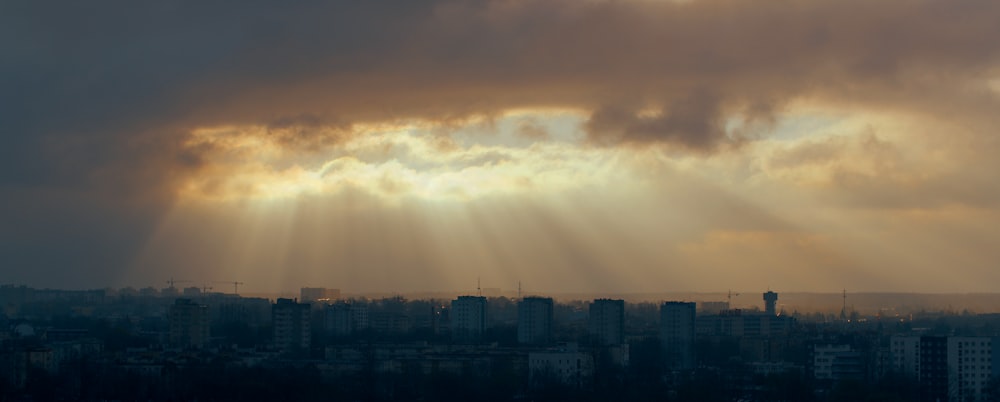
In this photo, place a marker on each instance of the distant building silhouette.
(252, 311)
(677, 329)
(534, 320)
(607, 321)
(713, 307)
(149, 291)
(468, 318)
(169, 292)
(342, 318)
(337, 319)
(738, 323)
(188, 324)
(359, 317)
(770, 301)
(292, 330)
(837, 362)
(390, 322)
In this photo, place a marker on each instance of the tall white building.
(969, 363)
(468, 318)
(970, 367)
(904, 352)
(607, 321)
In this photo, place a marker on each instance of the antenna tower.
(843, 309)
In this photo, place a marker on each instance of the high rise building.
(770, 300)
(948, 368)
(607, 321)
(188, 324)
(534, 321)
(290, 319)
(933, 376)
(468, 318)
(972, 367)
(677, 328)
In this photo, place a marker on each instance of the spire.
(843, 309)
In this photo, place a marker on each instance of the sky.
(569, 145)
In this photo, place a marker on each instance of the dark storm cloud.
(696, 122)
(99, 71)
(97, 99)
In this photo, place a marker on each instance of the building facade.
(468, 318)
(568, 366)
(337, 319)
(291, 321)
(189, 324)
(677, 329)
(953, 368)
(534, 321)
(607, 322)
(971, 367)
(837, 362)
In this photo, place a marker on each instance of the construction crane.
(236, 285)
(171, 282)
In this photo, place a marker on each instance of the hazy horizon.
(886, 304)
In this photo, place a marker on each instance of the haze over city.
(571, 146)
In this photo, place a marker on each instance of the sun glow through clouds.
(394, 162)
(516, 192)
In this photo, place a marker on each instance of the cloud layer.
(104, 107)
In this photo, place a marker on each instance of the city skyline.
(107, 344)
(598, 147)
